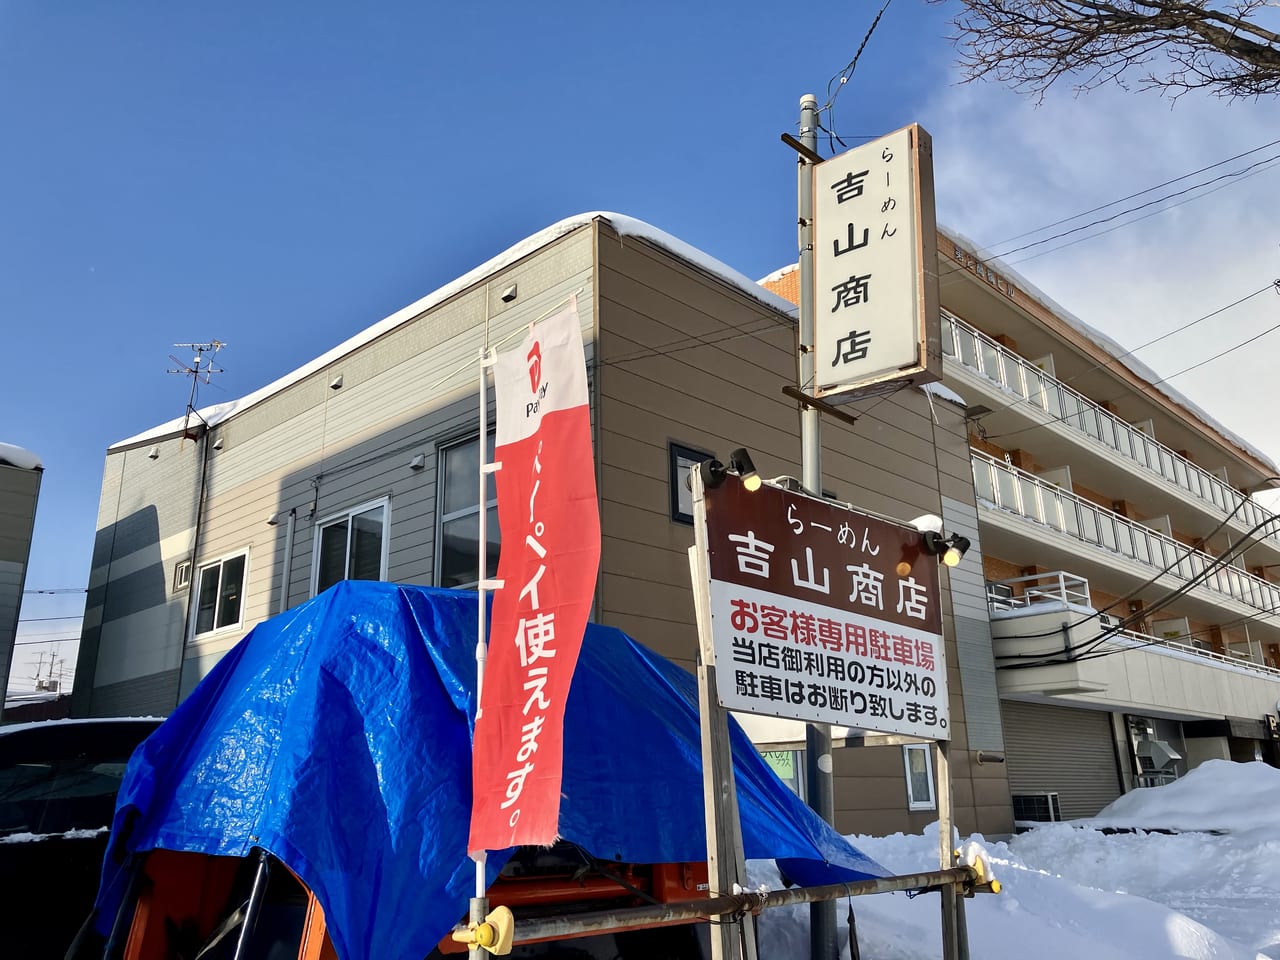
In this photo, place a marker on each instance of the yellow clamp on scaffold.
(972, 855)
(494, 934)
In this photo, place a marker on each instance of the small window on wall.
(352, 546)
(219, 595)
(789, 766)
(458, 527)
(919, 767)
(679, 459)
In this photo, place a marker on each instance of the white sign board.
(875, 265)
(824, 614)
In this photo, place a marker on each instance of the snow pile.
(1219, 795)
(1071, 891)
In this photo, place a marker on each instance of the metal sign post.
(726, 865)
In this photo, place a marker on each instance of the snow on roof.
(1114, 349)
(17, 457)
(1097, 338)
(624, 225)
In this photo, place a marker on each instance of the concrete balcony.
(1026, 519)
(1050, 644)
(1104, 452)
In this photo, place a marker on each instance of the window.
(182, 575)
(352, 546)
(219, 594)
(458, 554)
(789, 766)
(679, 459)
(919, 766)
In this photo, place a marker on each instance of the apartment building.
(20, 475)
(363, 464)
(1130, 578)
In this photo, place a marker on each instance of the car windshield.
(59, 795)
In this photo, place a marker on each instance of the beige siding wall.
(689, 360)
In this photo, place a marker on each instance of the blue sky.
(279, 176)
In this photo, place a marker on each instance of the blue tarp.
(337, 736)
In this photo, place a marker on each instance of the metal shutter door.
(1063, 750)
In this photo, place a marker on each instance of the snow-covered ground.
(1071, 891)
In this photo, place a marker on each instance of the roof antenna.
(201, 367)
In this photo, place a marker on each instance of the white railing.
(1028, 594)
(1061, 588)
(1025, 494)
(1027, 382)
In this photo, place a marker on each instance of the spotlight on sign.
(712, 473)
(740, 463)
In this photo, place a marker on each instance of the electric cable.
(1056, 656)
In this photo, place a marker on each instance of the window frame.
(346, 515)
(914, 803)
(676, 452)
(197, 580)
(443, 447)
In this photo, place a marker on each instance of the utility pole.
(817, 738)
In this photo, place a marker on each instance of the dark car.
(58, 784)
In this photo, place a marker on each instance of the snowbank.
(1071, 891)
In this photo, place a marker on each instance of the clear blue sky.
(279, 176)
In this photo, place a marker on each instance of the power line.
(1133, 196)
(1274, 285)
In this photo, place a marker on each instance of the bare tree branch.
(1171, 46)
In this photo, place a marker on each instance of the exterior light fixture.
(419, 462)
(713, 473)
(740, 463)
(949, 549)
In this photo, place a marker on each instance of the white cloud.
(1004, 166)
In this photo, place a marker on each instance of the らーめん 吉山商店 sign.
(875, 265)
(824, 614)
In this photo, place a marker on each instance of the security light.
(740, 463)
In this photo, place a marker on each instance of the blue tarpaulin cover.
(337, 736)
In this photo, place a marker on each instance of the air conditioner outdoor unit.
(1039, 807)
(1107, 621)
(1156, 756)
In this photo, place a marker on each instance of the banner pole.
(480, 903)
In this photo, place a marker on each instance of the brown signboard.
(823, 613)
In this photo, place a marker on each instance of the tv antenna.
(201, 367)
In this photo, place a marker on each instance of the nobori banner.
(824, 614)
(876, 265)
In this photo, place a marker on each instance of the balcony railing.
(1027, 382)
(1027, 495)
(1061, 588)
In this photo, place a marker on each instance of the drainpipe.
(287, 572)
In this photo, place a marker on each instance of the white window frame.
(346, 515)
(442, 450)
(197, 578)
(914, 802)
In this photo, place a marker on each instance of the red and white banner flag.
(550, 522)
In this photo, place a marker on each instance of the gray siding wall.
(134, 614)
(317, 452)
(19, 491)
(687, 359)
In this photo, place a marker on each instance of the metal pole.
(254, 906)
(748, 903)
(479, 902)
(726, 869)
(946, 857)
(817, 738)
